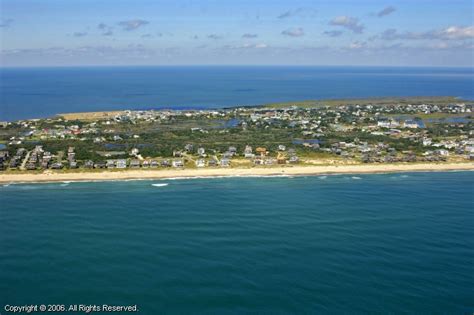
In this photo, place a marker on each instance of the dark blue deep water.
(42, 92)
(353, 244)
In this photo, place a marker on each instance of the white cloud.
(300, 12)
(357, 45)
(386, 11)
(333, 33)
(214, 36)
(448, 33)
(348, 22)
(293, 32)
(79, 34)
(131, 25)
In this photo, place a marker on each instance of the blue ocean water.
(353, 244)
(42, 92)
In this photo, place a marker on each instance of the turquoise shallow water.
(392, 243)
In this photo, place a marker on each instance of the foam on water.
(160, 185)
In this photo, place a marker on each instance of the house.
(4, 156)
(165, 163)
(110, 163)
(14, 163)
(146, 164)
(135, 163)
(154, 164)
(88, 164)
(177, 153)
(281, 147)
(270, 161)
(232, 150)
(225, 162)
(294, 159)
(200, 163)
(57, 166)
(101, 164)
(427, 141)
(135, 152)
(188, 147)
(248, 149)
(258, 160)
(212, 162)
(122, 163)
(178, 163)
(201, 152)
(227, 155)
(442, 152)
(72, 164)
(385, 123)
(410, 124)
(262, 151)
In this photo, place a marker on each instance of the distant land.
(394, 134)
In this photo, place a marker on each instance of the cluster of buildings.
(327, 129)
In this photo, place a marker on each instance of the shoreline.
(151, 174)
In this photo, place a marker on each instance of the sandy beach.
(50, 176)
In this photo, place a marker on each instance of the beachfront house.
(212, 162)
(178, 163)
(57, 166)
(135, 163)
(200, 163)
(110, 163)
(248, 153)
(100, 164)
(88, 164)
(122, 163)
(225, 162)
(293, 159)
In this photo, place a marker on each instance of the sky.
(243, 32)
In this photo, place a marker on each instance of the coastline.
(50, 176)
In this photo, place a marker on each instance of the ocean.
(43, 92)
(354, 244)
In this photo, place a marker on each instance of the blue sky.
(244, 32)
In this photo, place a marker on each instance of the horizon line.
(233, 65)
